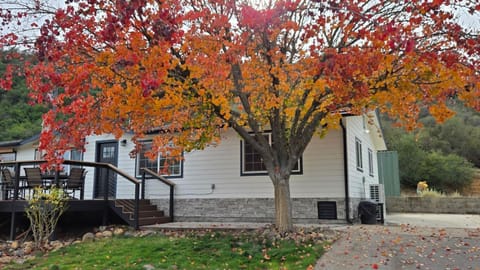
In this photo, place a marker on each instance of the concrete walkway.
(408, 241)
(421, 220)
(434, 220)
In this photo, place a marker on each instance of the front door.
(107, 152)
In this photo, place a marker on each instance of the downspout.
(345, 171)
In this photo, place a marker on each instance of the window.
(166, 166)
(73, 154)
(252, 162)
(358, 153)
(370, 162)
(8, 156)
(76, 155)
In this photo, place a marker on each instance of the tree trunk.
(283, 205)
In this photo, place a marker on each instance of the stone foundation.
(247, 210)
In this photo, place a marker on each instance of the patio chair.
(34, 178)
(75, 181)
(7, 184)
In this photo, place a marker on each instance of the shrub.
(447, 173)
(443, 172)
(455, 194)
(431, 193)
(44, 210)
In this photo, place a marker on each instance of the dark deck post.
(170, 210)
(15, 197)
(143, 185)
(105, 197)
(137, 206)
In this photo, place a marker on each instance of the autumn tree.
(194, 67)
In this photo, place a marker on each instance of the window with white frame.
(252, 162)
(8, 156)
(358, 154)
(73, 154)
(166, 166)
(370, 162)
(37, 155)
(76, 155)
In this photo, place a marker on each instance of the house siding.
(359, 181)
(249, 197)
(26, 151)
(220, 166)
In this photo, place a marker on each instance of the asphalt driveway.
(408, 242)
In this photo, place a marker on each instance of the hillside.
(18, 118)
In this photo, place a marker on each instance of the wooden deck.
(135, 211)
(84, 213)
(7, 206)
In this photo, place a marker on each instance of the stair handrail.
(164, 180)
(113, 168)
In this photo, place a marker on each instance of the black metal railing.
(17, 165)
(170, 184)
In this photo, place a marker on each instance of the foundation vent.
(327, 210)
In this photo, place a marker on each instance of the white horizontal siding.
(220, 165)
(357, 187)
(323, 171)
(26, 151)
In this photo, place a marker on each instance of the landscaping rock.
(19, 253)
(55, 245)
(99, 235)
(15, 245)
(107, 234)
(88, 237)
(27, 249)
(145, 233)
(5, 259)
(118, 231)
(130, 234)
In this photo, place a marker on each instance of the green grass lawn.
(211, 250)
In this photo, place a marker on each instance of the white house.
(226, 182)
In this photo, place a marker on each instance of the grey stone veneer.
(248, 210)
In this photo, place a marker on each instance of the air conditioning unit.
(377, 193)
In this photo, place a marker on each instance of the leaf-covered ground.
(403, 247)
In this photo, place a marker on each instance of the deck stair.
(148, 213)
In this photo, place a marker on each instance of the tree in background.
(442, 154)
(459, 135)
(20, 119)
(194, 67)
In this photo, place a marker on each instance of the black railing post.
(170, 210)
(56, 180)
(137, 206)
(15, 197)
(143, 185)
(17, 181)
(105, 196)
(105, 185)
